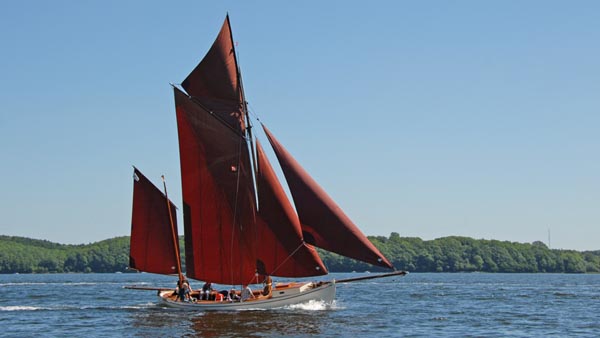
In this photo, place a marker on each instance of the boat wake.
(314, 305)
(71, 308)
(26, 284)
(20, 308)
(58, 283)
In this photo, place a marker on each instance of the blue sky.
(429, 119)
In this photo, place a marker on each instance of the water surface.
(418, 305)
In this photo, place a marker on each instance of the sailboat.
(240, 226)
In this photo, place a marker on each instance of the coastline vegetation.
(447, 254)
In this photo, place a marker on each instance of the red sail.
(151, 246)
(324, 224)
(215, 83)
(218, 197)
(282, 251)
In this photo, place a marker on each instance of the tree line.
(448, 254)
(26, 255)
(464, 254)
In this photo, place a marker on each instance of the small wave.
(20, 308)
(564, 294)
(138, 306)
(80, 283)
(119, 307)
(127, 307)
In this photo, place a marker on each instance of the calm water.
(425, 305)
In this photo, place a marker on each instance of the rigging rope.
(288, 257)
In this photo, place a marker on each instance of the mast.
(248, 125)
(244, 106)
(173, 235)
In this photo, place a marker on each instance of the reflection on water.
(299, 320)
(258, 323)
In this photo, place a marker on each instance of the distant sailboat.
(240, 227)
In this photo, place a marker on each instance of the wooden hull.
(281, 296)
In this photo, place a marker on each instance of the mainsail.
(151, 244)
(323, 222)
(218, 196)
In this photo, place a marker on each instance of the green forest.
(448, 254)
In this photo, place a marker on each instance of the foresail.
(282, 252)
(215, 83)
(151, 244)
(324, 224)
(218, 196)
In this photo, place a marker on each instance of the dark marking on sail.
(189, 243)
(132, 262)
(261, 268)
(308, 237)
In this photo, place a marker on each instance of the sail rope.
(251, 111)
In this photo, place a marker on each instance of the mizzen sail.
(324, 224)
(151, 245)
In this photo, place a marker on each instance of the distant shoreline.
(448, 254)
